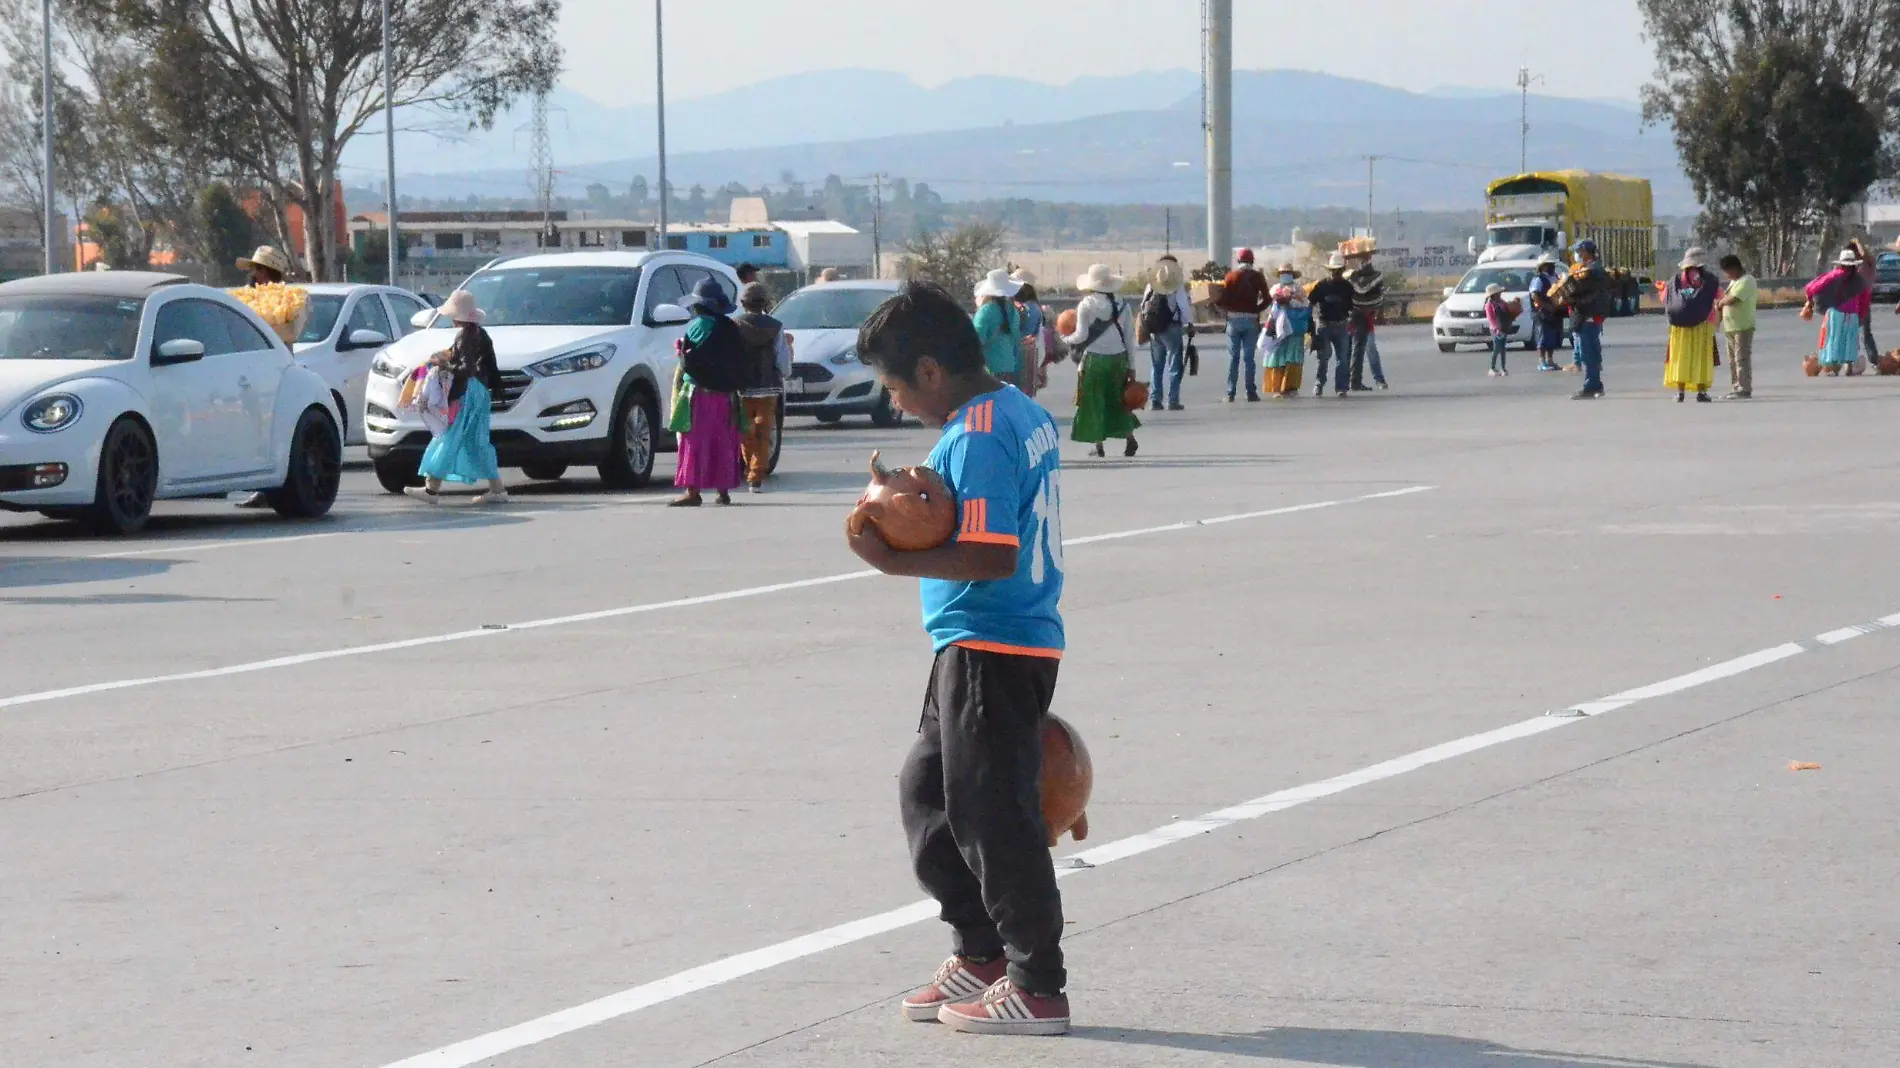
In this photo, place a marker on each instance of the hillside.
(1300, 140)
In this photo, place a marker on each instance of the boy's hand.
(869, 545)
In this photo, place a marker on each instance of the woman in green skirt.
(1103, 329)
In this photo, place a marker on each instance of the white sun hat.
(998, 284)
(460, 308)
(1493, 290)
(1099, 279)
(1336, 262)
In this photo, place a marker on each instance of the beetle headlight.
(591, 358)
(56, 411)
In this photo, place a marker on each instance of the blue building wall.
(742, 246)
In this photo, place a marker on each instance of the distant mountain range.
(1300, 139)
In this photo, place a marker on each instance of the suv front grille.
(513, 385)
(811, 372)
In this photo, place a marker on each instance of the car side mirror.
(670, 315)
(1471, 245)
(1449, 290)
(367, 339)
(422, 319)
(183, 350)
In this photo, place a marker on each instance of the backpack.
(1157, 312)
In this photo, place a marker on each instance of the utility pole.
(1525, 79)
(1219, 87)
(659, 75)
(389, 140)
(1370, 161)
(1167, 239)
(46, 135)
(877, 226)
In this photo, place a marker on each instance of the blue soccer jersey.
(1000, 456)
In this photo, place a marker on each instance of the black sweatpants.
(972, 809)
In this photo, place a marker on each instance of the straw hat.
(265, 256)
(1023, 276)
(998, 283)
(460, 308)
(1695, 257)
(1099, 279)
(1288, 268)
(1335, 262)
(1848, 258)
(1169, 276)
(1493, 290)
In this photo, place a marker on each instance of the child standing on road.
(1499, 315)
(970, 789)
(1289, 322)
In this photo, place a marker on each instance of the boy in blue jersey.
(970, 787)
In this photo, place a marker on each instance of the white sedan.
(120, 388)
(348, 325)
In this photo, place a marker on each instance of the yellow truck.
(1531, 215)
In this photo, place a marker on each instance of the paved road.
(278, 795)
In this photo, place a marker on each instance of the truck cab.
(1520, 239)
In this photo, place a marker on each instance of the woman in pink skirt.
(706, 412)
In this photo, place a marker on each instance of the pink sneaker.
(1005, 1010)
(957, 980)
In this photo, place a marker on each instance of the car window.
(1513, 279)
(829, 307)
(68, 327)
(244, 336)
(665, 288)
(192, 320)
(404, 308)
(556, 296)
(324, 308)
(369, 315)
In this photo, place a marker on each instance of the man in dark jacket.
(1587, 291)
(1368, 285)
(1243, 296)
(769, 358)
(1332, 300)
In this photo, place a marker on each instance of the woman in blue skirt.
(464, 452)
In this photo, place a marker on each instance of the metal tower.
(541, 167)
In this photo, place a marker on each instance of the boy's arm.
(955, 561)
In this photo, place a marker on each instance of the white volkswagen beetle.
(349, 324)
(119, 388)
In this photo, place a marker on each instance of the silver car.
(827, 380)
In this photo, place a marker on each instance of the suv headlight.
(845, 357)
(591, 358)
(56, 411)
(385, 367)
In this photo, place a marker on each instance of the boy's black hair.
(922, 319)
(1732, 262)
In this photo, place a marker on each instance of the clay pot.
(1065, 322)
(1811, 366)
(911, 507)
(1135, 395)
(1068, 777)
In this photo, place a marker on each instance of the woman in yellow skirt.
(1689, 301)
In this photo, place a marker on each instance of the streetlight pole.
(659, 67)
(1524, 81)
(389, 140)
(46, 135)
(1219, 87)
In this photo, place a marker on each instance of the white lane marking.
(625, 1002)
(235, 543)
(589, 617)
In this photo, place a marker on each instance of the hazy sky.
(1413, 44)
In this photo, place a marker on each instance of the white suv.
(585, 343)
